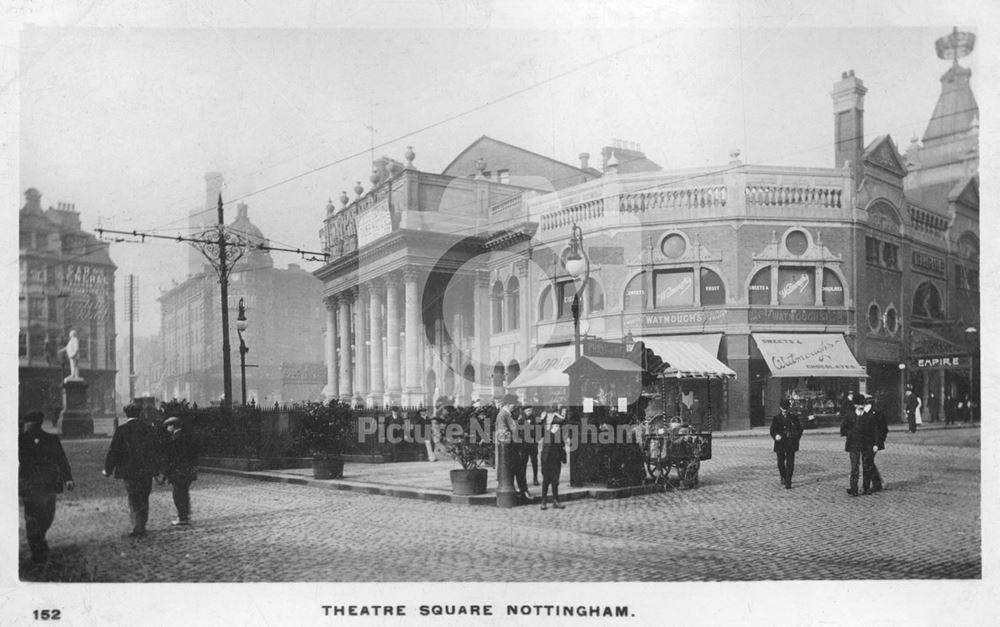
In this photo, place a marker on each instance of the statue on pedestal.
(72, 351)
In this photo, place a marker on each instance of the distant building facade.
(67, 282)
(807, 282)
(285, 333)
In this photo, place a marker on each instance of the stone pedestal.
(74, 419)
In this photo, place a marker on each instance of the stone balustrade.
(689, 197)
(786, 195)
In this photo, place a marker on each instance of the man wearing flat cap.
(133, 457)
(43, 471)
(864, 435)
(180, 467)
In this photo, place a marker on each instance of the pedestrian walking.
(965, 406)
(881, 432)
(911, 403)
(43, 471)
(180, 467)
(553, 455)
(786, 430)
(863, 441)
(395, 431)
(133, 457)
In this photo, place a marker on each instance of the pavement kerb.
(765, 431)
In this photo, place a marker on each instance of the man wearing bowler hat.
(43, 471)
(864, 437)
(133, 457)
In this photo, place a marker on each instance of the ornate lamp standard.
(578, 267)
(241, 326)
(970, 336)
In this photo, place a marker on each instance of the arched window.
(595, 296)
(513, 369)
(637, 293)
(833, 289)
(713, 292)
(545, 304)
(498, 379)
(760, 287)
(927, 302)
(513, 304)
(496, 302)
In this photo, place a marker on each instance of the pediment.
(882, 153)
(966, 193)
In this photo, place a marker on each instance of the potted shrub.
(321, 436)
(469, 450)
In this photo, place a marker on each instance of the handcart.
(671, 444)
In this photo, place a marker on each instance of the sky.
(124, 120)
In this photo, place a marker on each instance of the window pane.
(795, 286)
(712, 290)
(833, 291)
(635, 293)
(760, 287)
(674, 288)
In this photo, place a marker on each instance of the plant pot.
(328, 468)
(468, 482)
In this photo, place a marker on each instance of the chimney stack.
(849, 117)
(584, 160)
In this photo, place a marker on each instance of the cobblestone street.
(738, 525)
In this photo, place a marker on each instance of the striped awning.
(687, 360)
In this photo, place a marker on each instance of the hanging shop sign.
(946, 362)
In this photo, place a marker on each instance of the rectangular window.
(872, 250)
(503, 176)
(674, 288)
(972, 279)
(564, 299)
(890, 256)
(795, 286)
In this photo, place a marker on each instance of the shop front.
(813, 371)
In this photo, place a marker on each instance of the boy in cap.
(180, 467)
(43, 471)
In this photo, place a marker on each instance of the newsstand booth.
(812, 371)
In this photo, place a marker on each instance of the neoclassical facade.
(805, 281)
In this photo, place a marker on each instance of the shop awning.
(708, 341)
(688, 360)
(607, 364)
(808, 355)
(545, 370)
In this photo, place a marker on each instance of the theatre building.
(804, 282)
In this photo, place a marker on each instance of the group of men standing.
(519, 431)
(138, 454)
(864, 427)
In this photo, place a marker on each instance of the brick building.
(67, 282)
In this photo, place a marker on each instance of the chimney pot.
(584, 160)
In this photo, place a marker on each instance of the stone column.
(375, 334)
(344, 311)
(331, 390)
(394, 385)
(481, 300)
(414, 337)
(360, 345)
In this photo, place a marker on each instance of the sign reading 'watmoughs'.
(797, 316)
(374, 223)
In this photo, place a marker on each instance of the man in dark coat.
(180, 467)
(553, 456)
(43, 471)
(133, 457)
(786, 430)
(881, 432)
(864, 436)
(910, 404)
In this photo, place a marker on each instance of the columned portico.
(413, 333)
(375, 337)
(392, 326)
(361, 346)
(331, 390)
(481, 311)
(344, 311)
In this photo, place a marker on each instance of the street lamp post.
(578, 267)
(970, 337)
(241, 326)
